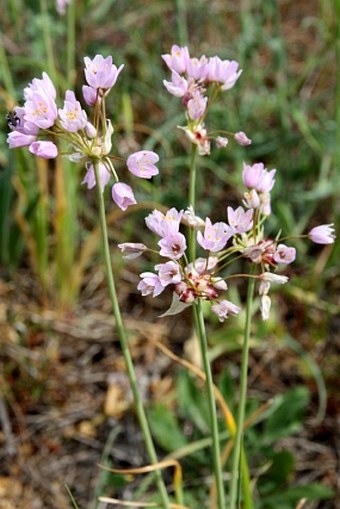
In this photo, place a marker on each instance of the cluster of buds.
(242, 234)
(90, 142)
(197, 81)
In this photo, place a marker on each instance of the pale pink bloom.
(223, 308)
(142, 164)
(61, 6)
(197, 105)
(90, 177)
(44, 149)
(224, 72)
(173, 245)
(133, 249)
(284, 254)
(100, 72)
(90, 130)
(198, 136)
(41, 110)
(201, 265)
(72, 117)
(251, 199)
(323, 234)
(21, 125)
(215, 236)
(221, 142)
(178, 59)
(197, 69)
(169, 273)
(219, 283)
(122, 195)
(90, 95)
(178, 86)
(17, 139)
(150, 284)
(265, 202)
(252, 175)
(162, 224)
(185, 292)
(267, 181)
(43, 84)
(239, 220)
(40, 106)
(242, 139)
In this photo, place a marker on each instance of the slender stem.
(71, 38)
(192, 198)
(125, 346)
(200, 328)
(242, 398)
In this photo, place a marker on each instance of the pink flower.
(40, 106)
(169, 273)
(61, 6)
(162, 224)
(173, 245)
(223, 308)
(133, 249)
(100, 72)
(284, 254)
(44, 149)
(90, 177)
(178, 86)
(197, 106)
(122, 195)
(323, 234)
(197, 69)
(142, 164)
(150, 284)
(242, 139)
(17, 139)
(252, 175)
(73, 118)
(224, 72)
(239, 220)
(221, 142)
(90, 95)
(178, 59)
(215, 236)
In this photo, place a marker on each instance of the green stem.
(200, 329)
(48, 40)
(71, 38)
(242, 399)
(192, 199)
(125, 346)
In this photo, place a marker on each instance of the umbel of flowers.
(242, 234)
(197, 81)
(39, 122)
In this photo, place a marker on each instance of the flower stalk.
(242, 399)
(124, 343)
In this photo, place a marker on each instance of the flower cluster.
(192, 79)
(242, 234)
(40, 121)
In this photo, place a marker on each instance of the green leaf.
(165, 428)
(288, 416)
